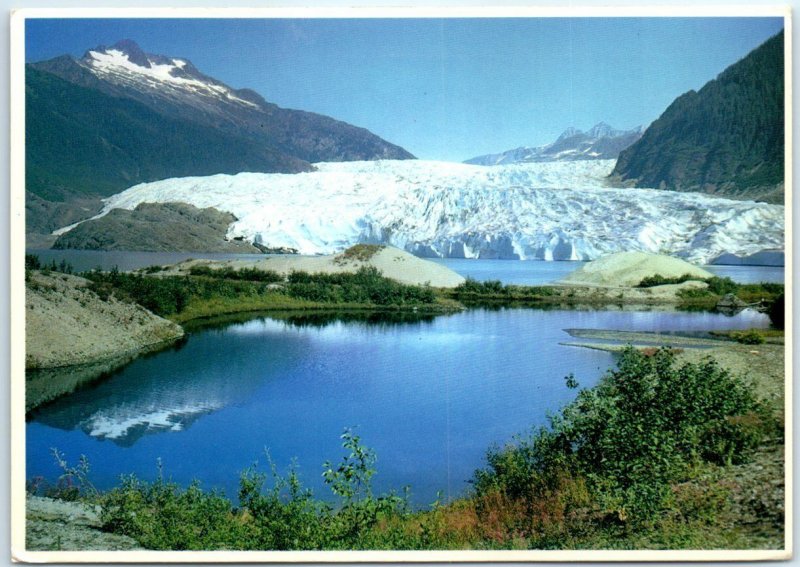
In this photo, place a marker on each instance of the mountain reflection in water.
(148, 398)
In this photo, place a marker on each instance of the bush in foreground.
(644, 427)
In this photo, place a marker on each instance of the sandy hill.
(627, 269)
(66, 323)
(392, 262)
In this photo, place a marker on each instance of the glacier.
(544, 210)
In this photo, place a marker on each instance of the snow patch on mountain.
(600, 142)
(549, 211)
(154, 72)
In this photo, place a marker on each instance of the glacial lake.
(428, 395)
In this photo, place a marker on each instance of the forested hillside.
(727, 138)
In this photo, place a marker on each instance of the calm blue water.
(528, 272)
(430, 397)
(538, 272)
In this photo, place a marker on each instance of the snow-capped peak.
(603, 130)
(568, 133)
(601, 142)
(115, 61)
(127, 65)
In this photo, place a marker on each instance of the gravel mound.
(627, 269)
(66, 324)
(394, 263)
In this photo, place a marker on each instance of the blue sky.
(445, 89)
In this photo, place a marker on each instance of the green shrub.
(167, 295)
(473, 286)
(641, 428)
(243, 274)
(657, 279)
(694, 293)
(722, 286)
(162, 515)
(777, 312)
(367, 285)
(32, 262)
(360, 511)
(751, 337)
(283, 516)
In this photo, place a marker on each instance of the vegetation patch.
(489, 290)
(367, 285)
(207, 291)
(646, 427)
(765, 293)
(657, 279)
(243, 274)
(358, 253)
(751, 337)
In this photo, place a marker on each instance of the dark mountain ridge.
(119, 116)
(173, 86)
(82, 144)
(726, 139)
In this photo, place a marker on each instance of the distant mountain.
(119, 116)
(726, 139)
(601, 142)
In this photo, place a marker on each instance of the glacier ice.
(548, 210)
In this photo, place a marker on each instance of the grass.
(206, 308)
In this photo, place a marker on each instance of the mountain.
(601, 142)
(547, 210)
(174, 87)
(726, 139)
(83, 144)
(119, 116)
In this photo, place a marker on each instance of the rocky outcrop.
(157, 227)
(57, 525)
(730, 304)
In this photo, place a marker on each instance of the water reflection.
(317, 319)
(148, 397)
(428, 395)
(231, 358)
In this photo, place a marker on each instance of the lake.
(429, 395)
(527, 272)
